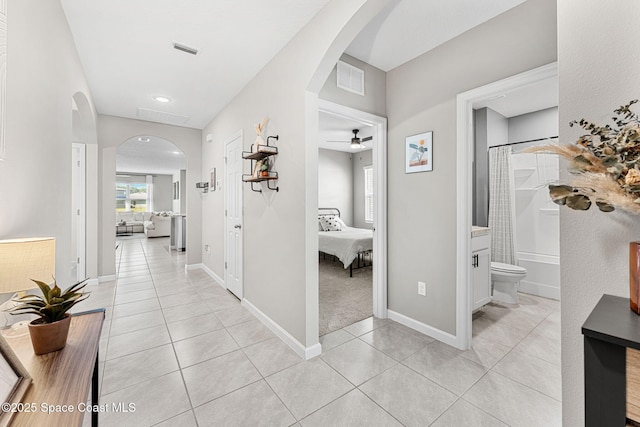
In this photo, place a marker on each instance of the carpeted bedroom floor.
(343, 300)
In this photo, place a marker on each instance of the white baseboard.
(92, 282)
(108, 278)
(539, 289)
(188, 267)
(436, 333)
(305, 352)
(213, 275)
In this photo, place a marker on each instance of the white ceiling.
(126, 46)
(126, 50)
(334, 128)
(526, 99)
(413, 27)
(157, 156)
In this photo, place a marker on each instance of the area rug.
(344, 300)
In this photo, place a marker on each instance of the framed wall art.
(419, 152)
(212, 179)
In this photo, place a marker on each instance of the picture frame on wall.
(212, 180)
(419, 153)
(176, 190)
(14, 380)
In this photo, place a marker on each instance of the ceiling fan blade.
(369, 138)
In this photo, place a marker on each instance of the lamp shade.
(24, 259)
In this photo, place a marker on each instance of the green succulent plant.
(54, 302)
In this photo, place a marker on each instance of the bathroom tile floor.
(187, 353)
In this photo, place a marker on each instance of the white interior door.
(78, 213)
(233, 215)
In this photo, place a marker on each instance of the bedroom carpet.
(344, 300)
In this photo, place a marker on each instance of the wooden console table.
(611, 334)
(62, 377)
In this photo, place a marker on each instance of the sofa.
(158, 226)
(136, 219)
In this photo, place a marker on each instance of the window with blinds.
(368, 194)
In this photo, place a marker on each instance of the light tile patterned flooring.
(186, 353)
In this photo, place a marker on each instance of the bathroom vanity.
(481, 266)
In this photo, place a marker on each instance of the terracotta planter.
(49, 337)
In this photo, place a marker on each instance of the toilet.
(504, 280)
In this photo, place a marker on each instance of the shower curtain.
(501, 206)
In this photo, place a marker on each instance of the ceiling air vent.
(350, 78)
(162, 117)
(184, 48)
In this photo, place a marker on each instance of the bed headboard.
(328, 212)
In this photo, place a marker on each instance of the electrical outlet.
(422, 289)
(207, 248)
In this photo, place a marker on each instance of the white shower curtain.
(501, 206)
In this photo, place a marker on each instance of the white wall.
(286, 91)
(179, 205)
(113, 131)
(497, 128)
(421, 96)
(43, 74)
(593, 246)
(360, 160)
(539, 124)
(162, 193)
(490, 129)
(335, 182)
(373, 101)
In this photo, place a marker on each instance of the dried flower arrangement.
(606, 162)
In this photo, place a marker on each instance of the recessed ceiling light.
(144, 139)
(176, 152)
(162, 99)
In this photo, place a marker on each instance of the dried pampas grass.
(603, 188)
(570, 152)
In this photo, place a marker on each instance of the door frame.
(380, 197)
(236, 135)
(79, 188)
(464, 181)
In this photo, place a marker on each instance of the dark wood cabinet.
(610, 332)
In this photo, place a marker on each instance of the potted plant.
(49, 331)
(264, 168)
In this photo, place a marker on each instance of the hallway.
(186, 353)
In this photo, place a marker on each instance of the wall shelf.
(258, 153)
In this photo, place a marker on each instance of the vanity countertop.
(479, 231)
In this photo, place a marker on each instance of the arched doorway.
(150, 178)
(84, 187)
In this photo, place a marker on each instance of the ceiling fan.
(355, 141)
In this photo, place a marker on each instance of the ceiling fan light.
(356, 145)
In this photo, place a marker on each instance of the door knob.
(237, 226)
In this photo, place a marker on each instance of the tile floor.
(186, 353)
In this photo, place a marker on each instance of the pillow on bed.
(320, 225)
(329, 223)
(340, 223)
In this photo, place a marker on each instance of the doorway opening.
(78, 212)
(233, 203)
(478, 98)
(351, 216)
(150, 190)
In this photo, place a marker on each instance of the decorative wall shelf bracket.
(258, 154)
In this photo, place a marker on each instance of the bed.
(352, 246)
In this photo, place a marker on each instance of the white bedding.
(345, 244)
